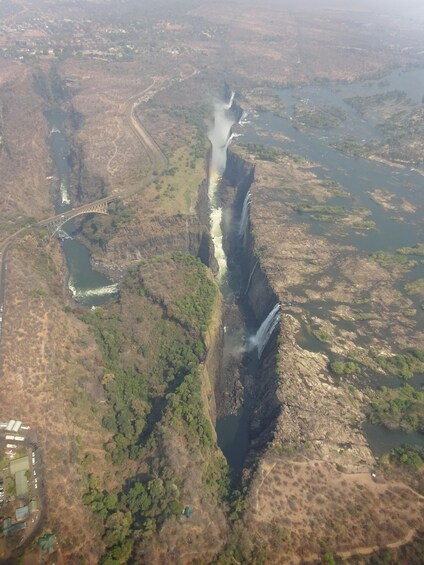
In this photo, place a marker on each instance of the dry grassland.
(50, 381)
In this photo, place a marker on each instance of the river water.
(86, 285)
(244, 336)
(358, 176)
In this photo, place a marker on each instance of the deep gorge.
(246, 402)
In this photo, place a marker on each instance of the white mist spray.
(220, 137)
(64, 195)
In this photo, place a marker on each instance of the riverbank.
(304, 415)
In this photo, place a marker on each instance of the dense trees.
(153, 388)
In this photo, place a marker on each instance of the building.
(7, 522)
(14, 528)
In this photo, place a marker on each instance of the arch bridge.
(54, 224)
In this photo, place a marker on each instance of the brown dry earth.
(296, 507)
(51, 363)
(24, 154)
(313, 484)
(50, 381)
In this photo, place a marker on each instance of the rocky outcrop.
(259, 296)
(155, 236)
(213, 361)
(239, 174)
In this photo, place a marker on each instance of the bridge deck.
(54, 224)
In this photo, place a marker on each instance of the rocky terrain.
(123, 399)
(307, 419)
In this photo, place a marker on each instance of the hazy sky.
(409, 8)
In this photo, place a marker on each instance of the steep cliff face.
(257, 291)
(213, 361)
(309, 460)
(239, 174)
(202, 206)
(153, 235)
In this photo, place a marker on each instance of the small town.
(20, 483)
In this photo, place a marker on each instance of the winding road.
(159, 164)
(157, 158)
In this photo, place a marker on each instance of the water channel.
(239, 322)
(86, 285)
(358, 177)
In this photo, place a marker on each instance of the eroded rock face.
(316, 411)
(155, 236)
(312, 479)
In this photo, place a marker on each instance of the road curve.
(156, 156)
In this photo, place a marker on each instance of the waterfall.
(220, 136)
(230, 103)
(250, 277)
(230, 138)
(244, 220)
(265, 331)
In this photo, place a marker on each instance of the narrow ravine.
(86, 285)
(220, 137)
(244, 336)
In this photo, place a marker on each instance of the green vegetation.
(364, 103)
(416, 250)
(177, 188)
(321, 335)
(416, 287)
(399, 408)
(195, 307)
(335, 187)
(195, 116)
(355, 148)
(331, 210)
(191, 302)
(392, 260)
(129, 388)
(152, 343)
(404, 131)
(364, 224)
(409, 312)
(321, 213)
(265, 152)
(271, 103)
(407, 456)
(10, 488)
(99, 229)
(339, 367)
(363, 316)
(404, 365)
(317, 118)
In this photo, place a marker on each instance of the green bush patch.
(400, 408)
(416, 287)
